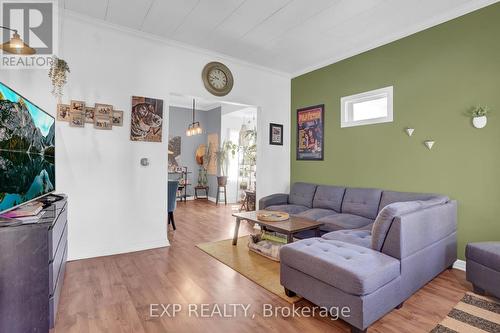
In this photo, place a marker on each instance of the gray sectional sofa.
(379, 247)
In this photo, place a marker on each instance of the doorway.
(210, 140)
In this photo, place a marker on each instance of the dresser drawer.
(55, 265)
(54, 298)
(56, 231)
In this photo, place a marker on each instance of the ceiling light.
(194, 128)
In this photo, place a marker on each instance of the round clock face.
(217, 78)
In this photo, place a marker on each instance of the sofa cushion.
(357, 237)
(386, 216)
(316, 213)
(353, 269)
(343, 221)
(389, 197)
(485, 253)
(329, 197)
(302, 194)
(361, 201)
(290, 209)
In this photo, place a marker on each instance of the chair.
(172, 200)
(221, 189)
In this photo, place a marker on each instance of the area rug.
(263, 271)
(473, 314)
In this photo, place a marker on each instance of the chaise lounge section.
(372, 266)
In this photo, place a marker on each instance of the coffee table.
(288, 227)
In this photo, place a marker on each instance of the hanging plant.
(58, 75)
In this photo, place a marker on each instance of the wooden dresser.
(33, 260)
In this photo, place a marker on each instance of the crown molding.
(69, 14)
(432, 22)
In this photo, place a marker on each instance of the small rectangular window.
(371, 107)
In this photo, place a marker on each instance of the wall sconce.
(429, 144)
(409, 131)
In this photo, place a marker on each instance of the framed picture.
(275, 134)
(76, 119)
(103, 123)
(310, 133)
(174, 152)
(77, 106)
(146, 119)
(63, 112)
(89, 114)
(117, 118)
(103, 110)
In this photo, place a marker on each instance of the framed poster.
(147, 119)
(275, 134)
(310, 133)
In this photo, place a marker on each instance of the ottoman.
(483, 267)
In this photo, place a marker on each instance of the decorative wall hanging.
(409, 131)
(63, 112)
(479, 116)
(103, 123)
(199, 153)
(310, 130)
(212, 144)
(77, 106)
(146, 119)
(429, 144)
(89, 114)
(174, 152)
(58, 75)
(76, 119)
(117, 118)
(103, 110)
(275, 134)
(76, 114)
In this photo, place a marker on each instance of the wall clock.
(217, 78)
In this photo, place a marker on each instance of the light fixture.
(429, 144)
(194, 128)
(16, 45)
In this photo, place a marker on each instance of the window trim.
(347, 102)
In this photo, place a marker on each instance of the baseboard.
(120, 249)
(459, 264)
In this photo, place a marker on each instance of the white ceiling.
(292, 36)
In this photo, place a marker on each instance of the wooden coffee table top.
(292, 225)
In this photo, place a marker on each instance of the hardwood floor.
(114, 293)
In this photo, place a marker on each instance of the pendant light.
(194, 128)
(16, 45)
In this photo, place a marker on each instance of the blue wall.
(210, 122)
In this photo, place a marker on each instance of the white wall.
(115, 204)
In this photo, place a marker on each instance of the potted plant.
(479, 119)
(58, 75)
(222, 155)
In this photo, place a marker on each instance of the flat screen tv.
(27, 150)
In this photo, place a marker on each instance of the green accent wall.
(437, 74)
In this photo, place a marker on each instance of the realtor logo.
(29, 33)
